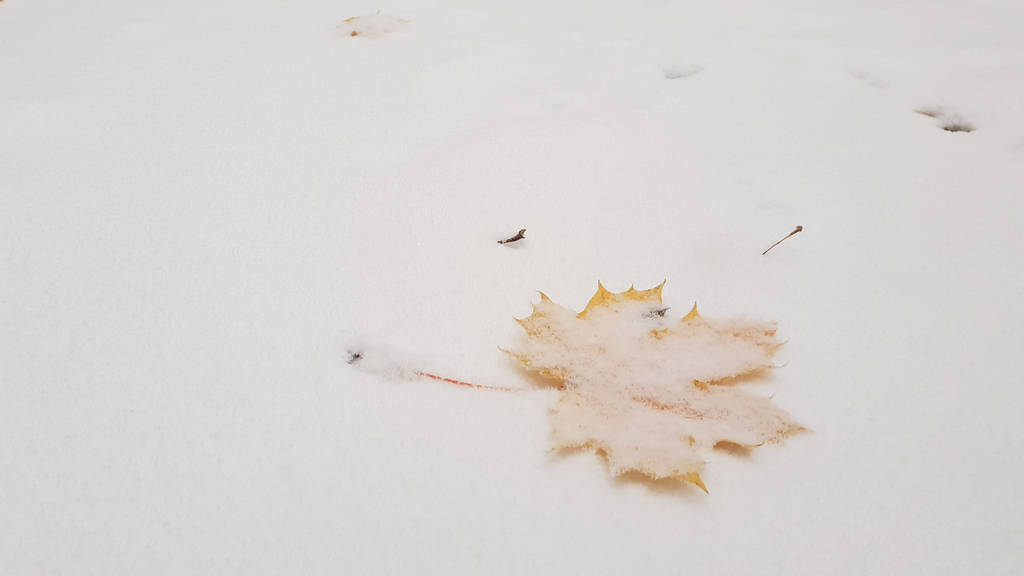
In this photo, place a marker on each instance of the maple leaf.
(371, 25)
(648, 393)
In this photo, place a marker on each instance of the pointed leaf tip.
(605, 298)
(692, 315)
(694, 478)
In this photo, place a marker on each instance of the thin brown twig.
(798, 229)
(477, 386)
(517, 237)
(354, 357)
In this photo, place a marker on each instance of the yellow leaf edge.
(603, 297)
(691, 477)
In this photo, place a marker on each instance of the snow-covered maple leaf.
(649, 393)
(371, 26)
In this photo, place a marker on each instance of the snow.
(202, 205)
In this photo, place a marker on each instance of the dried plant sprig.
(471, 385)
(516, 238)
(798, 229)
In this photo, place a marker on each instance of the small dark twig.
(354, 357)
(656, 313)
(515, 238)
(798, 229)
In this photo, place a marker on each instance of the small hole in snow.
(949, 120)
(958, 127)
(676, 72)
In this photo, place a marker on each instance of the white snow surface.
(203, 204)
